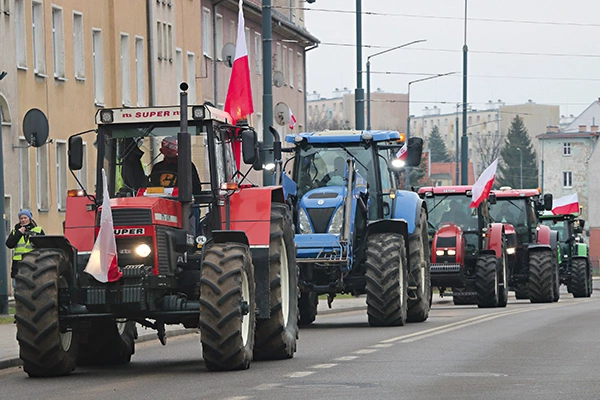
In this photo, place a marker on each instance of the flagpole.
(267, 106)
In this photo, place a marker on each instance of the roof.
(590, 116)
(512, 193)
(132, 115)
(345, 136)
(579, 135)
(446, 190)
(449, 169)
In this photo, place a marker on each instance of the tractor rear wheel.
(420, 274)
(108, 343)
(487, 283)
(386, 279)
(541, 277)
(307, 305)
(227, 307)
(579, 278)
(556, 277)
(45, 348)
(521, 291)
(464, 300)
(503, 279)
(276, 336)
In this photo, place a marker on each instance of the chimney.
(594, 128)
(552, 129)
(582, 128)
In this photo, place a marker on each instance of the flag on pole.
(292, 119)
(238, 102)
(482, 188)
(566, 205)
(102, 264)
(402, 153)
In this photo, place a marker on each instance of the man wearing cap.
(164, 173)
(19, 238)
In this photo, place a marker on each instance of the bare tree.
(488, 147)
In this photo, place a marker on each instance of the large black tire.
(503, 281)
(44, 349)
(541, 277)
(108, 343)
(276, 337)
(227, 307)
(521, 291)
(464, 300)
(386, 279)
(579, 278)
(556, 278)
(590, 278)
(308, 308)
(486, 281)
(420, 273)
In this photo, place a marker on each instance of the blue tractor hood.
(324, 197)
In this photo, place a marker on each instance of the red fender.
(446, 232)
(543, 234)
(495, 238)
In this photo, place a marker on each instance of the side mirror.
(548, 202)
(258, 163)
(492, 199)
(415, 151)
(75, 153)
(249, 146)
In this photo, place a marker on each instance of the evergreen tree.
(509, 169)
(439, 152)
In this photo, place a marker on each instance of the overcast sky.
(563, 41)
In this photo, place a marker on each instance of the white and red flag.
(102, 264)
(566, 205)
(292, 119)
(482, 188)
(402, 153)
(238, 102)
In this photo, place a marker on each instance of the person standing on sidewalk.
(19, 238)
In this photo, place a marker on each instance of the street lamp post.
(369, 76)
(521, 163)
(407, 168)
(465, 138)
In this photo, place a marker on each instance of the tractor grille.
(130, 216)
(320, 218)
(446, 242)
(163, 250)
(328, 195)
(444, 268)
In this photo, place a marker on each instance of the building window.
(169, 43)
(125, 71)
(140, 74)
(20, 32)
(445, 121)
(6, 9)
(284, 69)
(566, 149)
(37, 25)
(470, 120)
(219, 33)
(300, 70)
(61, 175)
(191, 77)
(98, 66)
(247, 32)
(24, 201)
(78, 52)
(258, 52)
(478, 119)
(567, 179)
(206, 33)
(82, 173)
(159, 40)
(178, 70)
(43, 198)
(291, 65)
(58, 43)
(232, 32)
(278, 58)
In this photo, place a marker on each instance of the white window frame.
(258, 57)
(278, 60)
(191, 77)
(20, 34)
(169, 43)
(284, 66)
(78, 46)
(291, 66)
(58, 42)
(98, 66)
(159, 40)
(6, 9)
(61, 175)
(140, 72)
(566, 149)
(125, 70)
(42, 184)
(24, 175)
(232, 31)
(178, 70)
(567, 179)
(82, 174)
(206, 33)
(300, 71)
(219, 36)
(37, 26)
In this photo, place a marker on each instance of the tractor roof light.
(229, 186)
(75, 193)
(366, 137)
(198, 112)
(298, 139)
(107, 116)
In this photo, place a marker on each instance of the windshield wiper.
(353, 156)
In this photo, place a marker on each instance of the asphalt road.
(524, 351)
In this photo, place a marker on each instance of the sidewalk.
(9, 347)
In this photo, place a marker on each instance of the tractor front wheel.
(486, 281)
(420, 274)
(541, 277)
(108, 343)
(307, 305)
(579, 279)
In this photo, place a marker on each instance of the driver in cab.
(164, 173)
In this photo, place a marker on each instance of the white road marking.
(382, 345)
(323, 366)
(345, 358)
(267, 386)
(300, 374)
(365, 351)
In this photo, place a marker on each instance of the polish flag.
(239, 94)
(292, 119)
(566, 205)
(402, 153)
(482, 188)
(102, 264)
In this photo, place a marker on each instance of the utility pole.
(465, 138)
(359, 94)
(457, 159)
(521, 163)
(267, 84)
(3, 264)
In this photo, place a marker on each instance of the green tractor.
(573, 253)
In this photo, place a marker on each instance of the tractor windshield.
(517, 212)
(560, 226)
(452, 209)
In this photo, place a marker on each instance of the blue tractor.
(356, 232)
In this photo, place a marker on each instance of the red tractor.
(221, 259)
(469, 252)
(534, 274)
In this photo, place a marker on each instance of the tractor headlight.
(143, 250)
(304, 223)
(511, 250)
(451, 252)
(439, 253)
(337, 221)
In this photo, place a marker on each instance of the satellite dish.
(278, 79)
(35, 127)
(228, 54)
(282, 113)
